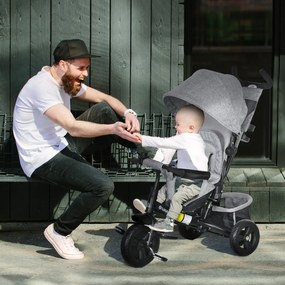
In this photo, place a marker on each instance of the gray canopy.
(219, 95)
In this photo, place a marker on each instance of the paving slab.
(28, 259)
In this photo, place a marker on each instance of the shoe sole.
(138, 204)
(58, 250)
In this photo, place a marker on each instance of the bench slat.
(273, 177)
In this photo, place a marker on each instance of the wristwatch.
(130, 111)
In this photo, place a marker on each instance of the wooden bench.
(26, 199)
(265, 185)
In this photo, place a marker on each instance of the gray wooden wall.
(141, 47)
(140, 43)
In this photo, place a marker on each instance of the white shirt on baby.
(190, 149)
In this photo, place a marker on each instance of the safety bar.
(188, 173)
(184, 173)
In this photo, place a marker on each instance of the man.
(49, 139)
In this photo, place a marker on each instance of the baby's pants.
(184, 192)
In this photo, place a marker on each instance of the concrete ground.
(28, 259)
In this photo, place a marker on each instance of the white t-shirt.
(190, 150)
(38, 138)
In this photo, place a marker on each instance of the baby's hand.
(139, 136)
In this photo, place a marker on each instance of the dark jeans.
(69, 169)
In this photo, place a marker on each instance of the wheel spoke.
(240, 239)
(248, 231)
(247, 244)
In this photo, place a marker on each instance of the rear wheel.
(244, 237)
(138, 245)
(188, 232)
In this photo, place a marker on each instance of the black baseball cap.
(70, 49)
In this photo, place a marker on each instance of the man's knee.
(105, 187)
(100, 113)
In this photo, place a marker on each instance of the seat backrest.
(216, 155)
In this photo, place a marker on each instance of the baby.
(190, 149)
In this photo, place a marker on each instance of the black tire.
(244, 237)
(134, 248)
(188, 232)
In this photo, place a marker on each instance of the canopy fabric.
(219, 95)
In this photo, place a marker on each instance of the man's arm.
(94, 96)
(63, 117)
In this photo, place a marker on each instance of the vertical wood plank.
(5, 56)
(59, 201)
(161, 53)
(181, 65)
(273, 177)
(40, 35)
(5, 202)
(277, 208)
(118, 204)
(39, 201)
(100, 45)
(260, 206)
(181, 42)
(20, 46)
(236, 177)
(120, 50)
(174, 43)
(20, 202)
(254, 177)
(140, 52)
(70, 20)
(227, 188)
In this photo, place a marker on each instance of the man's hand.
(120, 129)
(132, 123)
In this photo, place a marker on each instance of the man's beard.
(68, 82)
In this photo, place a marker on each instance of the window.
(222, 34)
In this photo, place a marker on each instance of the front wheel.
(139, 244)
(244, 237)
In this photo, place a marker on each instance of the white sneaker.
(139, 205)
(166, 225)
(63, 245)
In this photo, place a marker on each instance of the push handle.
(261, 85)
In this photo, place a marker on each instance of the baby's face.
(182, 125)
(181, 128)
